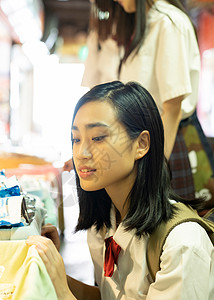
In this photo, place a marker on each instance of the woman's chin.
(89, 188)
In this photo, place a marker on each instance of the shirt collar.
(121, 236)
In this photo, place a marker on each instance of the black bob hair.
(149, 197)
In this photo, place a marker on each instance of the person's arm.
(50, 231)
(91, 75)
(171, 117)
(66, 287)
(83, 291)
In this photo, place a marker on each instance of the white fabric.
(187, 265)
(22, 233)
(168, 63)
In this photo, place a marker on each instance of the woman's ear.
(143, 144)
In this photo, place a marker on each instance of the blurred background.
(42, 50)
(42, 54)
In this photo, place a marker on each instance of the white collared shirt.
(187, 271)
(167, 64)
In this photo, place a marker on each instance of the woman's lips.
(85, 172)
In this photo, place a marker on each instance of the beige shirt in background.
(167, 65)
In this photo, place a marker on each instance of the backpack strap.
(157, 239)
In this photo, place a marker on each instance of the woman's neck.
(119, 193)
(118, 197)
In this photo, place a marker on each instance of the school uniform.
(168, 66)
(187, 265)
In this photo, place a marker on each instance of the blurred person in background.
(154, 43)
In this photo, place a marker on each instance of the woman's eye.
(99, 138)
(74, 141)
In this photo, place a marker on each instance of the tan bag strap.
(157, 239)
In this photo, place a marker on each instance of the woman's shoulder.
(164, 13)
(189, 235)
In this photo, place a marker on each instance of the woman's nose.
(84, 152)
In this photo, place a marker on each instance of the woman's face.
(128, 5)
(103, 153)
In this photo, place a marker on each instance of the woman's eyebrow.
(97, 124)
(92, 125)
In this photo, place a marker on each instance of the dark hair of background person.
(148, 199)
(129, 30)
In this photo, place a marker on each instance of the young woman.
(124, 191)
(154, 43)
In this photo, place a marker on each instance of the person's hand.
(68, 165)
(51, 232)
(53, 263)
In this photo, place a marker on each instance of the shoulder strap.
(157, 239)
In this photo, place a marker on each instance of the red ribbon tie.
(111, 256)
